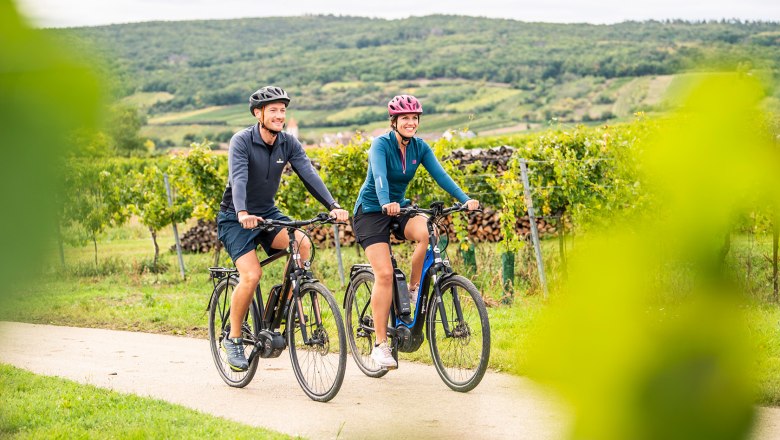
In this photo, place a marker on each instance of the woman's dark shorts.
(374, 227)
(238, 241)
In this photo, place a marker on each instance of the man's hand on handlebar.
(249, 221)
(472, 205)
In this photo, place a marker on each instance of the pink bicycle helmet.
(403, 104)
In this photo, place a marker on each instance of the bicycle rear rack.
(217, 274)
(221, 272)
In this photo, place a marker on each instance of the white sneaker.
(413, 297)
(383, 357)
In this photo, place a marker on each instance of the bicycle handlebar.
(437, 209)
(322, 218)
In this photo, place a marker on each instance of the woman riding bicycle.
(393, 160)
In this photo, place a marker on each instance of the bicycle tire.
(319, 367)
(219, 328)
(358, 310)
(461, 359)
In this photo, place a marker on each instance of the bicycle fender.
(354, 271)
(309, 281)
(444, 276)
(214, 291)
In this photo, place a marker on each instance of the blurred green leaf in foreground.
(647, 340)
(45, 95)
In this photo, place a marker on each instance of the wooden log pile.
(323, 235)
(497, 157)
(200, 238)
(483, 227)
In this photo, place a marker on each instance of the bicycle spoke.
(319, 359)
(461, 354)
(219, 326)
(360, 325)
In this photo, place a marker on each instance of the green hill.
(480, 73)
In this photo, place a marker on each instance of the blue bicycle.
(449, 307)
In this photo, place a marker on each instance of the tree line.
(223, 59)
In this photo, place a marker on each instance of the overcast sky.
(64, 13)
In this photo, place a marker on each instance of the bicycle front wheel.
(360, 324)
(459, 334)
(219, 329)
(315, 336)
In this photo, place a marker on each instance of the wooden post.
(338, 253)
(175, 231)
(534, 231)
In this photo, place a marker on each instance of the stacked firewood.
(483, 227)
(324, 234)
(497, 157)
(200, 238)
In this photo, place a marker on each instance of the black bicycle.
(313, 328)
(449, 306)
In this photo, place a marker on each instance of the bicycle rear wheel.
(219, 329)
(318, 347)
(360, 324)
(460, 353)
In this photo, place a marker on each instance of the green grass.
(630, 96)
(37, 407)
(176, 133)
(342, 85)
(185, 116)
(488, 96)
(147, 99)
(347, 114)
(764, 327)
(115, 295)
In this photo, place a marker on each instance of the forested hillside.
(333, 63)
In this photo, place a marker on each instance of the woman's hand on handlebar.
(472, 204)
(392, 208)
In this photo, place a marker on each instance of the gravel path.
(411, 402)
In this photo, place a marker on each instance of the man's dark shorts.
(374, 227)
(238, 241)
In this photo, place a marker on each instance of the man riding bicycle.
(257, 157)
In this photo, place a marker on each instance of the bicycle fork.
(303, 319)
(445, 322)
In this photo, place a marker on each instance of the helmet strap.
(405, 139)
(274, 133)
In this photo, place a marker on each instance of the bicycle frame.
(409, 336)
(268, 342)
